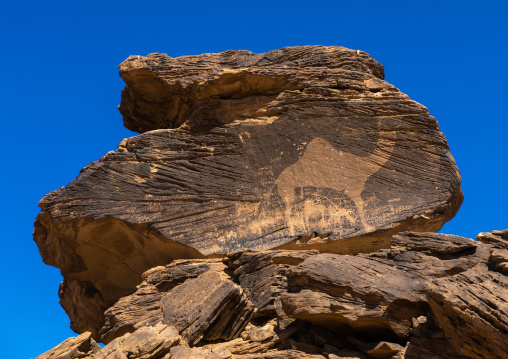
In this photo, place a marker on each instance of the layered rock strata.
(80, 347)
(419, 300)
(299, 148)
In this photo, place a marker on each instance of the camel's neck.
(322, 165)
(382, 152)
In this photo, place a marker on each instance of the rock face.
(470, 303)
(498, 239)
(264, 212)
(299, 148)
(81, 347)
(450, 303)
(355, 294)
(145, 343)
(209, 307)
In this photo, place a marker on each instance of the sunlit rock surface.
(302, 148)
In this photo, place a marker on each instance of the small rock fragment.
(499, 239)
(382, 350)
(80, 347)
(208, 307)
(499, 260)
(478, 300)
(145, 343)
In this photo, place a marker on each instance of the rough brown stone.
(427, 341)
(432, 255)
(84, 305)
(280, 354)
(355, 294)
(148, 342)
(262, 275)
(208, 307)
(185, 352)
(499, 260)
(472, 310)
(498, 239)
(250, 261)
(80, 347)
(114, 264)
(303, 147)
(382, 350)
(431, 243)
(161, 92)
(130, 312)
(440, 296)
(261, 333)
(240, 346)
(143, 307)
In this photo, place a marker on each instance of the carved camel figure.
(323, 166)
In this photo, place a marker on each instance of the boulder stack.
(253, 218)
(441, 298)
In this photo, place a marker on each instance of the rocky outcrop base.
(429, 296)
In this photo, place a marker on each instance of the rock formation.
(260, 214)
(298, 148)
(418, 300)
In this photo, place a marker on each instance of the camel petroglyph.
(323, 166)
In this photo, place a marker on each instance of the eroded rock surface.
(473, 305)
(431, 243)
(84, 305)
(147, 342)
(498, 239)
(354, 294)
(432, 255)
(209, 307)
(429, 296)
(299, 148)
(80, 347)
(144, 307)
(262, 275)
(192, 294)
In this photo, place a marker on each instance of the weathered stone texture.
(162, 92)
(148, 342)
(499, 239)
(262, 275)
(353, 293)
(276, 205)
(304, 147)
(143, 307)
(432, 255)
(84, 305)
(209, 307)
(430, 296)
(431, 243)
(80, 347)
(498, 259)
(472, 310)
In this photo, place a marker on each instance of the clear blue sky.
(60, 90)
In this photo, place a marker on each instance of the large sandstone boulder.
(298, 148)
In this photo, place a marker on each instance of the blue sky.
(60, 90)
